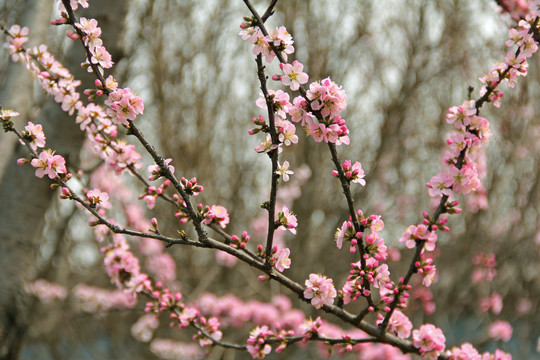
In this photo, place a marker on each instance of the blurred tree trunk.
(24, 198)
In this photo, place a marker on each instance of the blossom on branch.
(429, 340)
(320, 290)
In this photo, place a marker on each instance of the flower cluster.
(256, 343)
(500, 330)
(416, 233)
(466, 145)
(429, 340)
(124, 105)
(360, 277)
(293, 75)
(47, 292)
(353, 173)
(485, 267)
(399, 324)
(49, 164)
(100, 56)
(98, 198)
(123, 267)
(284, 171)
(281, 258)
(320, 290)
(287, 220)
(16, 39)
(34, 135)
(211, 331)
(156, 172)
(279, 38)
(215, 214)
(58, 82)
(152, 193)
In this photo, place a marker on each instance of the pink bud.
(276, 77)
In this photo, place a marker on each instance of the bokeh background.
(402, 64)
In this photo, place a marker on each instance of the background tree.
(402, 67)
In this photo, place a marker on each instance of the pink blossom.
(34, 135)
(102, 57)
(16, 39)
(92, 32)
(340, 234)
(440, 185)
(156, 171)
(465, 352)
(299, 111)
(124, 105)
(8, 114)
(284, 171)
(354, 173)
(399, 324)
(283, 261)
(211, 327)
(408, 237)
(49, 164)
(280, 99)
(327, 97)
(293, 75)
(318, 131)
(320, 290)
(217, 214)
(287, 220)
(494, 302)
(429, 340)
(93, 299)
(71, 102)
(123, 156)
(287, 133)
(74, 5)
(267, 145)
(96, 197)
(500, 330)
(257, 347)
(46, 292)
